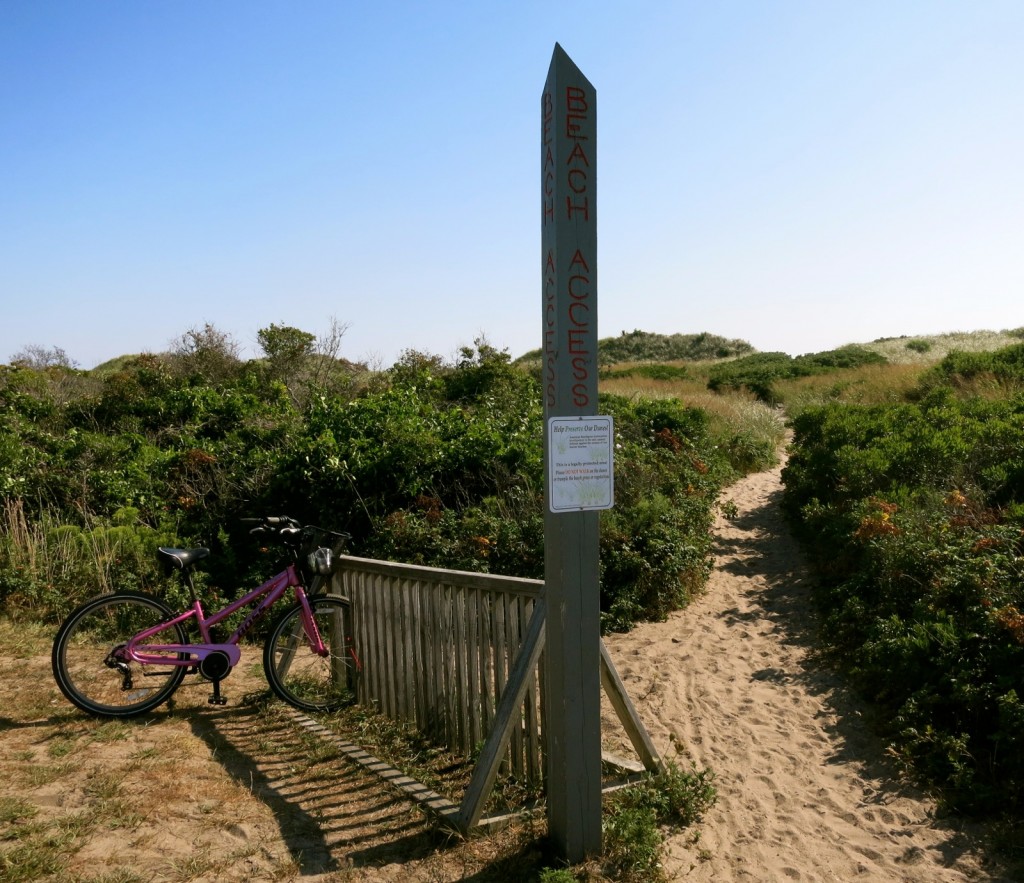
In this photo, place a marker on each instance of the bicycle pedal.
(217, 700)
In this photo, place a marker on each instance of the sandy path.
(805, 792)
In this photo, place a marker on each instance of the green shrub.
(632, 843)
(672, 799)
(434, 463)
(912, 514)
(757, 373)
(679, 797)
(656, 542)
(760, 372)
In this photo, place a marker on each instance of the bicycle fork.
(316, 641)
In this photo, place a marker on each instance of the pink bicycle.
(125, 653)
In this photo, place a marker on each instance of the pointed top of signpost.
(562, 64)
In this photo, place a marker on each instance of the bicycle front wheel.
(299, 675)
(95, 676)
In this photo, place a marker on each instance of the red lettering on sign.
(579, 260)
(578, 321)
(576, 111)
(549, 186)
(572, 128)
(549, 347)
(577, 341)
(569, 317)
(576, 99)
(549, 368)
(550, 317)
(547, 115)
(571, 208)
(578, 154)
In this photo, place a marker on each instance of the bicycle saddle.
(182, 558)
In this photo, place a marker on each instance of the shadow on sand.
(783, 597)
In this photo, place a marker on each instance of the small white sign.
(580, 463)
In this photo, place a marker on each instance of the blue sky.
(797, 174)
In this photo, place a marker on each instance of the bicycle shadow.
(332, 814)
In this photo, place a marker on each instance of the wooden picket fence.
(460, 656)
(438, 647)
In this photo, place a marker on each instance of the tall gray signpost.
(578, 479)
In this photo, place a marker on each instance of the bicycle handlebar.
(272, 521)
(288, 529)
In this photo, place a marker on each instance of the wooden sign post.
(573, 649)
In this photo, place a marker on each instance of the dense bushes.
(913, 514)
(655, 543)
(761, 371)
(446, 469)
(431, 462)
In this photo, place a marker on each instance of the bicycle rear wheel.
(300, 676)
(88, 669)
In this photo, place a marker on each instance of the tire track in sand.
(805, 792)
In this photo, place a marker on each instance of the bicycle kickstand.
(216, 698)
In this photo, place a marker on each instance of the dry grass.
(630, 385)
(193, 792)
(866, 385)
(732, 414)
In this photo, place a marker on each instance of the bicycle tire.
(83, 666)
(299, 676)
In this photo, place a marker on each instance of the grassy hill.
(932, 348)
(879, 371)
(638, 347)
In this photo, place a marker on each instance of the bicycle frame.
(271, 591)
